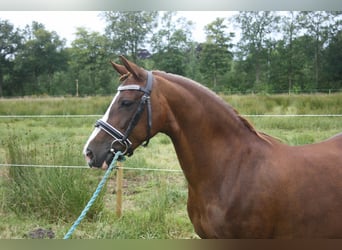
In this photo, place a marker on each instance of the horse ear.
(119, 68)
(134, 69)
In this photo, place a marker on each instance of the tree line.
(275, 52)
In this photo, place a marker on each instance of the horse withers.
(241, 183)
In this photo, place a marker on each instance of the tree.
(41, 55)
(332, 70)
(129, 30)
(171, 43)
(89, 62)
(316, 24)
(257, 29)
(10, 41)
(215, 56)
(290, 28)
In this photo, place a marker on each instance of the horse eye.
(126, 103)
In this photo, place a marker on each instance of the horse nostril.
(89, 154)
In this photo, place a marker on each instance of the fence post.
(76, 87)
(119, 181)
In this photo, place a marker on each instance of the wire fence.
(328, 91)
(39, 166)
(87, 116)
(295, 115)
(86, 167)
(48, 116)
(133, 168)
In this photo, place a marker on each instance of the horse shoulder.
(251, 205)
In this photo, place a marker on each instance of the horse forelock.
(124, 77)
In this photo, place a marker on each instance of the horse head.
(128, 120)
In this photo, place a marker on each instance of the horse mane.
(261, 135)
(184, 81)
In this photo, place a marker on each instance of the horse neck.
(202, 126)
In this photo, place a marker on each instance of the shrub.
(51, 193)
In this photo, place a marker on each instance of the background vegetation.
(154, 204)
(276, 52)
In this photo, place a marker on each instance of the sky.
(66, 22)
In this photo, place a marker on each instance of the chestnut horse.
(241, 183)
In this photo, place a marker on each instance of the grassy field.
(154, 203)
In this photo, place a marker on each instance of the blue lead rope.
(93, 198)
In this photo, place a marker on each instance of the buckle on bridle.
(122, 143)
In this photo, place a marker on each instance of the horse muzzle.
(102, 161)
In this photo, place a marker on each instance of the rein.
(122, 138)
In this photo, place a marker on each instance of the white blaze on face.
(97, 130)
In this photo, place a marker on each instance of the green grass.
(287, 104)
(53, 194)
(54, 106)
(299, 130)
(154, 203)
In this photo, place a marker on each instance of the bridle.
(122, 138)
